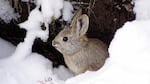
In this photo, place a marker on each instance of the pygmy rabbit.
(80, 53)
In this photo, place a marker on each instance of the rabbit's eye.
(65, 39)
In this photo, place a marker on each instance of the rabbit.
(80, 52)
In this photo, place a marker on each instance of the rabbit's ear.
(82, 25)
(75, 17)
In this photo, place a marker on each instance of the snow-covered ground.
(6, 48)
(24, 67)
(128, 62)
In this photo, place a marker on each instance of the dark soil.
(106, 16)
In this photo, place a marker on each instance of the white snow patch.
(33, 24)
(142, 9)
(6, 48)
(51, 9)
(67, 11)
(25, 67)
(63, 73)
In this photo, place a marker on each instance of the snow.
(33, 69)
(51, 9)
(63, 73)
(33, 24)
(128, 62)
(25, 67)
(6, 48)
(142, 9)
(67, 11)
(7, 12)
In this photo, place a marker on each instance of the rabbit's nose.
(54, 43)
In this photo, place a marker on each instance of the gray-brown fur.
(80, 53)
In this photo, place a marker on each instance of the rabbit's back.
(91, 57)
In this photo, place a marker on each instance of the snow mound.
(6, 48)
(25, 67)
(129, 58)
(142, 9)
(27, 71)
